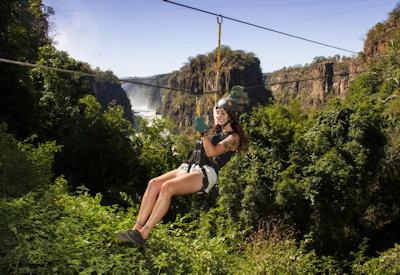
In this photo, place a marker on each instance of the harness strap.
(197, 156)
(205, 179)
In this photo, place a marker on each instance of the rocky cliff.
(313, 84)
(378, 37)
(108, 90)
(198, 77)
(329, 77)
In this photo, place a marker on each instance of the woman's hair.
(237, 128)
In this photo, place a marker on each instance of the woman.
(199, 174)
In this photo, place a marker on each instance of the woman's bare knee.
(167, 189)
(154, 185)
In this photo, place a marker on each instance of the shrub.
(24, 167)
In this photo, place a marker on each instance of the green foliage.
(163, 150)
(250, 187)
(59, 92)
(387, 262)
(102, 152)
(313, 174)
(272, 256)
(24, 167)
(62, 233)
(23, 29)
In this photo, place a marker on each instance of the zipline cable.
(258, 26)
(9, 61)
(196, 92)
(332, 14)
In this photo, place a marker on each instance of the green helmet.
(231, 102)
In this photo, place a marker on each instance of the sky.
(148, 37)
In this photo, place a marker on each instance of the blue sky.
(149, 37)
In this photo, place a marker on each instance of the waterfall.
(144, 100)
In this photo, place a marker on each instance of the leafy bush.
(102, 152)
(24, 167)
(274, 256)
(314, 174)
(387, 262)
(61, 233)
(163, 149)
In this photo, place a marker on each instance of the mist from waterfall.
(144, 100)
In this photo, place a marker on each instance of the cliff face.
(378, 37)
(199, 76)
(107, 91)
(312, 85)
(330, 77)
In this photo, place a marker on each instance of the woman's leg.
(150, 196)
(180, 185)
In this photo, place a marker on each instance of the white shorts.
(210, 173)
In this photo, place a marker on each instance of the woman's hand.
(200, 125)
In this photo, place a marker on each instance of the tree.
(101, 152)
(24, 167)
(23, 29)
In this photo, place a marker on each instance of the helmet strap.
(226, 123)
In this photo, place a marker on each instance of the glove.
(236, 92)
(200, 125)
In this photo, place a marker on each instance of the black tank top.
(222, 159)
(198, 155)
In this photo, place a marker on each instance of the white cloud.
(79, 36)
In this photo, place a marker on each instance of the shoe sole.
(125, 237)
(131, 237)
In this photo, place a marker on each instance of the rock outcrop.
(312, 85)
(109, 90)
(378, 37)
(198, 77)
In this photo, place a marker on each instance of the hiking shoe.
(131, 236)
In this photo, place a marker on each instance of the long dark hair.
(237, 128)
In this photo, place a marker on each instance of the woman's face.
(222, 116)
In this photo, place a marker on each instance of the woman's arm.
(231, 143)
